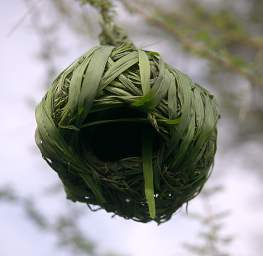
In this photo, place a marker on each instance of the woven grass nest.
(128, 133)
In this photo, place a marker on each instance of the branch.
(158, 19)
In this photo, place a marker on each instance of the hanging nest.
(128, 133)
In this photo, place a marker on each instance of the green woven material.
(128, 133)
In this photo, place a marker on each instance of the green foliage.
(211, 240)
(100, 4)
(209, 34)
(64, 227)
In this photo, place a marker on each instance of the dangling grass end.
(147, 155)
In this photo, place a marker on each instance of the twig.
(22, 19)
(188, 44)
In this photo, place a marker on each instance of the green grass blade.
(147, 155)
(145, 72)
(118, 68)
(92, 80)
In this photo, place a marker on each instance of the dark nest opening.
(122, 139)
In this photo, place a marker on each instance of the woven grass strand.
(148, 171)
(91, 125)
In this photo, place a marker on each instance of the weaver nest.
(128, 133)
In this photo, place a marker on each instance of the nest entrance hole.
(114, 141)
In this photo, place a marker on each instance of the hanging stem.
(147, 156)
(111, 33)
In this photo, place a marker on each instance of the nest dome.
(128, 133)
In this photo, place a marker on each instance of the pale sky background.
(21, 76)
